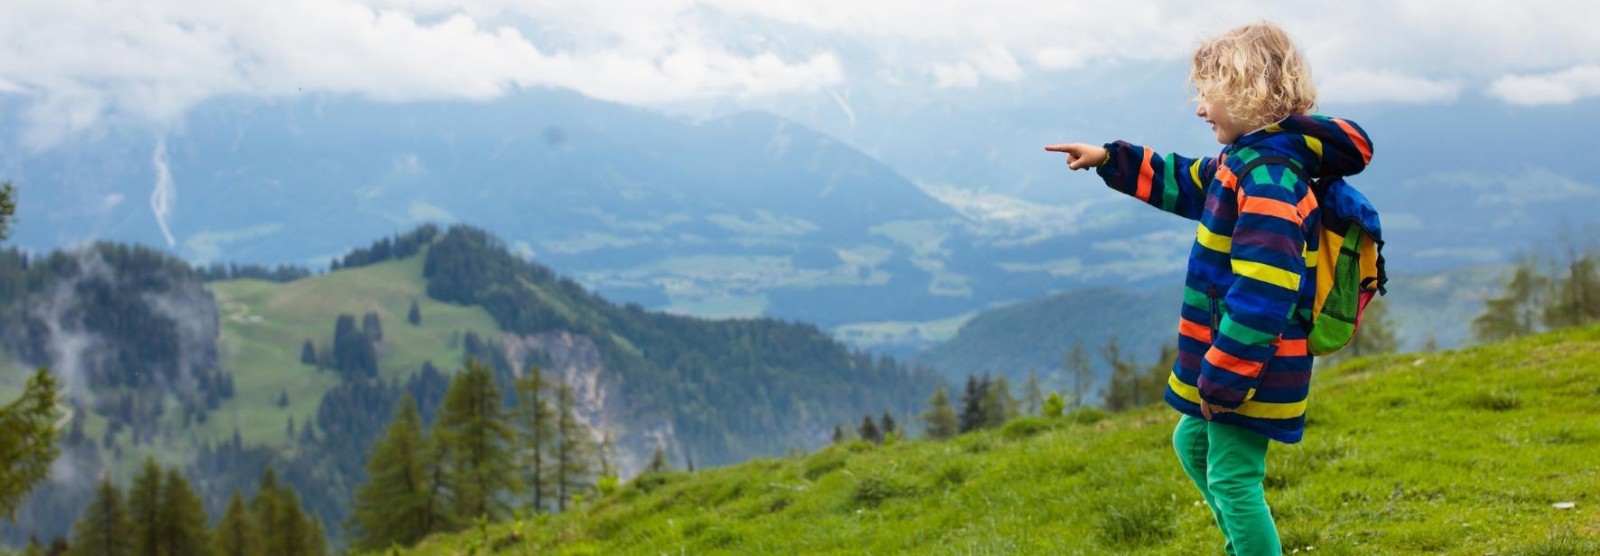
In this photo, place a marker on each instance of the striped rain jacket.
(1239, 347)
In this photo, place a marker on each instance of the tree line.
(482, 459)
(1544, 294)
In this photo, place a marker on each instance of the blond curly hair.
(1256, 72)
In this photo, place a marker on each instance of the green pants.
(1228, 463)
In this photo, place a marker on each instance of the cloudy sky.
(78, 64)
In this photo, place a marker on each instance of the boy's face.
(1216, 114)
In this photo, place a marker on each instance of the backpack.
(1349, 263)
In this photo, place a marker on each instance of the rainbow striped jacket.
(1238, 345)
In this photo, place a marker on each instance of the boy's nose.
(1200, 111)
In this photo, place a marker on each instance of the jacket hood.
(1329, 147)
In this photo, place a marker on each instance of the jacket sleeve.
(1268, 263)
(1169, 182)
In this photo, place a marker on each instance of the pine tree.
(104, 528)
(481, 465)
(264, 511)
(1575, 298)
(1080, 372)
(28, 434)
(998, 405)
(869, 431)
(941, 419)
(535, 433)
(658, 460)
(414, 316)
(1512, 313)
(371, 327)
(308, 353)
(838, 434)
(236, 533)
(1033, 394)
(294, 532)
(183, 518)
(144, 507)
(972, 405)
(573, 468)
(889, 426)
(393, 507)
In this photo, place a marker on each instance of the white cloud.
(80, 62)
(1562, 87)
(1385, 86)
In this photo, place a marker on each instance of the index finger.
(1060, 148)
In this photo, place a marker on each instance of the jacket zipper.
(1215, 313)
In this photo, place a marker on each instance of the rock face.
(575, 360)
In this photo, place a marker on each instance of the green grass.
(1450, 453)
(265, 323)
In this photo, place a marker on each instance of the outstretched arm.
(1170, 182)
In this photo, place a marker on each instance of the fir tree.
(1080, 372)
(1512, 314)
(997, 401)
(104, 528)
(393, 507)
(658, 460)
(371, 327)
(888, 423)
(264, 507)
(941, 419)
(236, 533)
(838, 434)
(1033, 394)
(414, 316)
(535, 433)
(183, 518)
(1575, 298)
(481, 443)
(144, 507)
(869, 431)
(308, 353)
(972, 405)
(573, 467)
(28, 434)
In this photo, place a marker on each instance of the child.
(1243, 370)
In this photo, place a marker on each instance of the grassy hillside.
(265, 323)
(1460, 452)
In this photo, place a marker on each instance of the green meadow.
(1461, 452)
(264, 325)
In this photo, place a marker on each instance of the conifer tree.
(869, 431)
(838, 434)
(535, 433)
(183, 518)
(308, 353)
(972, 405)
(1575, 298)
(997, 401)
(658, 460)
(1033, 394)
(144, 508)
(941, 419)
(1512, 313)
(1080, 372)
(414, 316)
(573, 463)
(28, 434)
(264, 509)
(481, 442)
(104, 528)
(889, 426)
(294, 530)
(393, 507)
(236, 533)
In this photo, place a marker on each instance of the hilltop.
(1422, 453)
